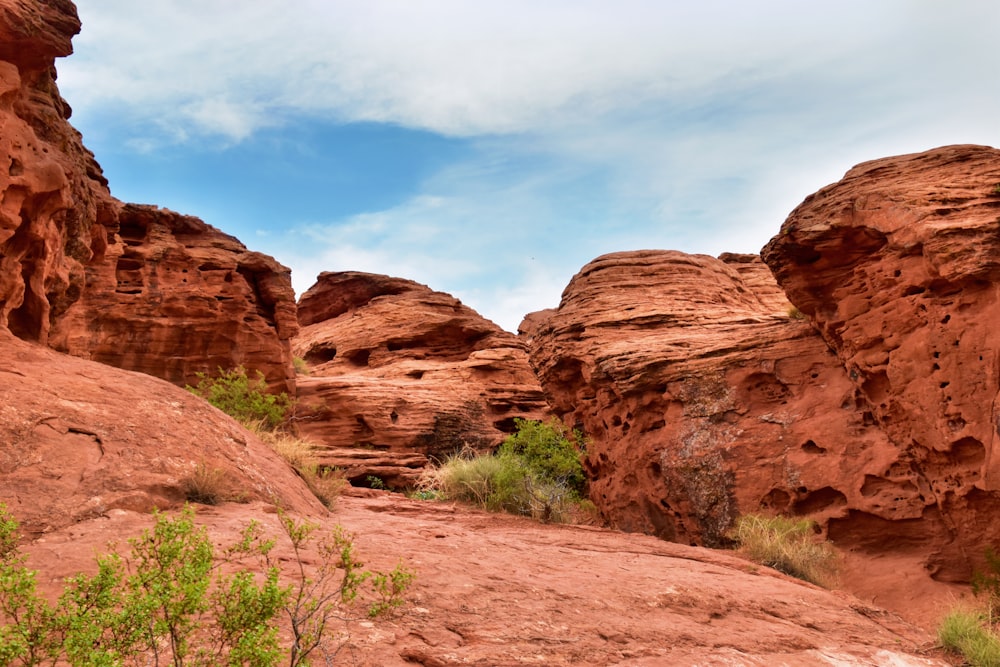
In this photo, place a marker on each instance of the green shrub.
(167, 603)
(242, 398)
(549, 451)
(966, 632)
(787, 545)
(536, 472)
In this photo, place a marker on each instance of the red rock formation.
(702, 397)
(898, 266)
(79, 439)
(177, 297)
(169, 295)
(397, 369)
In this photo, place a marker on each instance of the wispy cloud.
(592, 126)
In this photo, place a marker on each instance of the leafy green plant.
(788, 545)
(536, 472)
(322, 595)
(375, 482)
(166, 603)
(244, 399)
(965, 631)
(550, 451)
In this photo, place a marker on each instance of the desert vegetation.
(266, 415)
(787, 545)
(970, 629)
(172, 600)
(535, 472)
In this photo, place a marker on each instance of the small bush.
(965, 632)
(536, 472)
(549, 450)
(787, 545)
(167, 602)
(300, 365)
(244, 399)
(795, 314)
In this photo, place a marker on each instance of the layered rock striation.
(870, 406)
(898, 266)
(702, 394)
(134, 286)
(400, 374)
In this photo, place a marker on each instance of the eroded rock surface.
(898, 266)
(80, 439)
(533, 594)
(702, 397)
(132, 286)
(399, 373)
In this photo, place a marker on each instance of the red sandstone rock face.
(898, 266)
(168, 295)
(80, 439)
(702, 399)
(177, 297)
(399, 373)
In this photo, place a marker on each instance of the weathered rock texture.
(79, 439)
(871, 409)
(703, 398)
(400, 373)
(497, 590)
(898, 266)
(176, 297)
(133, 286)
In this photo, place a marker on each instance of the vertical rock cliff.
(133, 286)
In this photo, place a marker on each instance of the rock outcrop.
(898, 266)
(132, 286)
(399, 373)
(80, 439)
(702, 394)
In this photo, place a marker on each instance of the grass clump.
(788, 545)
(971, 630)
(242, 398)
(536, 472)
(326, 483)
(967, 632)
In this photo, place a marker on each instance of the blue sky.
(490, 149)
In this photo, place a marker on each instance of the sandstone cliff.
(898, 266)
(400, 374)
(702, 396)
(136, 287)
(871, 407)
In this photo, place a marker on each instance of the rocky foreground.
(494, 590)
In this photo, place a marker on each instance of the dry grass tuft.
(787, 545)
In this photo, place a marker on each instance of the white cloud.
(597, 126)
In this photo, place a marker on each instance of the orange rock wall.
(131, 286)
(401, 374)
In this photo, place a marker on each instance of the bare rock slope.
(80, 439)
(496, 590)
(399, 373)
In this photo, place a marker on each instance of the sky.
(490, 149)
